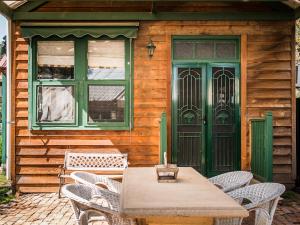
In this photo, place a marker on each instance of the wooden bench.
(110, 164)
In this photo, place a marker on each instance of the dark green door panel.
(223, 131)
(189, 89)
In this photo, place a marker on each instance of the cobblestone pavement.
(47, 209)
(38, 209)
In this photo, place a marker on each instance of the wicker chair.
(93, 179)
(89, 202)
(232, 180)
(261, 198)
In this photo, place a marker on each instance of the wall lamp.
(151, 48)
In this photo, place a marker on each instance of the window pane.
(106, 103)
(55, 104)
(55, 59)
(205, 50)
(106, 60)
(226, 50)
(184, 50)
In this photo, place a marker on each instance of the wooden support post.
(245, 163)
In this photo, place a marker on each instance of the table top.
(191, 195)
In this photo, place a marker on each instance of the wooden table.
(192, 200)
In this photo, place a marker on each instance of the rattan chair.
(232, 180)
(90, 202)
(261, 198)
(93, 179)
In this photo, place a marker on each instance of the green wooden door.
(205, 117)
(189, 88)
(223, 118)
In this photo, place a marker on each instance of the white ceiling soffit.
(14, 4)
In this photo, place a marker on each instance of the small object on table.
(167, 174)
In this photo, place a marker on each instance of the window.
(80, 83)
(205, 49)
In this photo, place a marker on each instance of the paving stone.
(47, 209)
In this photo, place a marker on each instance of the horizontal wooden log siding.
(269, 88)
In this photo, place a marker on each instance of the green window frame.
(80, 85)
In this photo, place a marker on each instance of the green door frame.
(237, 127)
(174, 109)
(206, 161)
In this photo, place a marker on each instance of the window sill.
(79, 128)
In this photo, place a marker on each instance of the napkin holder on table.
(167, 173)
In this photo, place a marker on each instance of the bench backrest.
(95, 161)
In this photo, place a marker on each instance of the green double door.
(206, 117)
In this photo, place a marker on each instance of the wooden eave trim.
(31, 5)
(113, 16)
(5, 10)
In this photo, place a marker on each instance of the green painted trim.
(5, 10)
(113, 16)
(269, 146)
(79, 128)
(31, 5)
(31, 71)
(163, 136)
(4, 120)
(80, 84)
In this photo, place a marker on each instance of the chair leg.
(61, 182)
(83, 219)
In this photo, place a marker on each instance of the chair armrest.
(102, 185)
(264, 211)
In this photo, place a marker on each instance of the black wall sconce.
(151, 48)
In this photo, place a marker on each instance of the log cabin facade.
(82, 80)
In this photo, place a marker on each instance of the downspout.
(8, 100)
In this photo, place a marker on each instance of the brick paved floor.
(48, 209)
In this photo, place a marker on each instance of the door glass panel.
(106, 60)
(106, 103)
(55, 59)
(223, 119)
(189, 117)
(55, 104)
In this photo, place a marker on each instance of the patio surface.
(48, 209)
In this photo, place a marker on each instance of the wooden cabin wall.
(269, 88)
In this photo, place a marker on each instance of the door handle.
(204, 120)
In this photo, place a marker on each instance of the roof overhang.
(23, 10)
